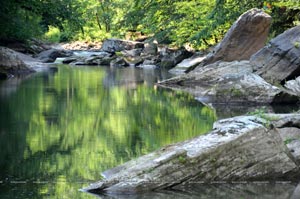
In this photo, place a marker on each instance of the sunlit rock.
(244, 148)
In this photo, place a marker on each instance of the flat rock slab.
(186, 64)
(245, 148)
(230, 83)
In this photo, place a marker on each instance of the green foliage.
(199, 24)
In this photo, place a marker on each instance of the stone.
(132, 53)
(170, 57)
(245, 37)
(186, 64)
(118, 62)
(68, 60)
(291, 137)
(293, 86)
(243, 148)
(51, 54)
(133, 61)
(11, 64)
(150, 49)
(117, 45)
(279, 61)
(230, 83)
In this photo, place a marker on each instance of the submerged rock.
(279, 61)
(230, 83)
(244, 148)
(245, 37)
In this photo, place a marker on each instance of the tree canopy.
(197, 23)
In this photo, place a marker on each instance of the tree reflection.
(72, 126)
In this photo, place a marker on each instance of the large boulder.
(117, 45)
(245, 37)
(230, 83)
(244, 148)
(11, 64)
(279, 61)
(51, 54)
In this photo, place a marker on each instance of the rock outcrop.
(244, 148)
(245, 37)
(279, 61)
(230, 83)
(11, 64)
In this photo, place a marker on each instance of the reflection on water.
(59, 130)
(222, 191)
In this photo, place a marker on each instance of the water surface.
(59, 130)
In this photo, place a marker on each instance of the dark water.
(59, 130)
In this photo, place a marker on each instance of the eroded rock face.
(243, 148)
(245, 37)
(230, 83)
(11, 64)
(280, 60)
(117, 45)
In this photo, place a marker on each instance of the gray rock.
(117, 45)
(133, 61)
(150, 49)
(68, 60)
(51, 54)
(170, 57)
(291, 137)
(280, 60)
(132, 53)
(245, 37)
(119, 62)
(11, 64)
(230, 83)
(293, 86)
(186, 64)
(244, 148)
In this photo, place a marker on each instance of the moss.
(288, 140)
(119, 54)
(182, 159)
(296, 44)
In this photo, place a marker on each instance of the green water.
(59, 130)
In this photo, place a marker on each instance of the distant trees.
(194, 22)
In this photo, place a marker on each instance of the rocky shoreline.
(239, 70)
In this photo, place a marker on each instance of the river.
(60, 129)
